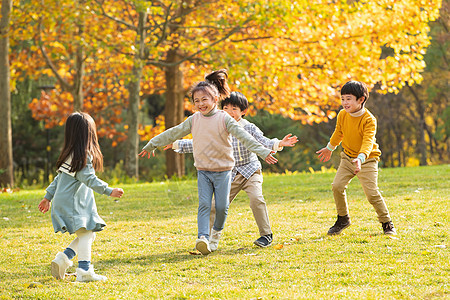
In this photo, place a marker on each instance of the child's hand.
(145, 152)
(324, 154)
(357, 163)
(168, 147)
(288, 141)
(117, 192)
(270, 159)
(44, 205)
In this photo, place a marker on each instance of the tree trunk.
(134, 88)
(421, 143)
(78, 95)
(6, 157)
(174, 112)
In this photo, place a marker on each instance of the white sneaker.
(86, 276)
(202, 245)
(214, 239)
(60, 265)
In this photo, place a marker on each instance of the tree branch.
(164, 27)
(104, 13)
(66, 86)
(163, 64)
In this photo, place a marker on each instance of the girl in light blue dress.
(73, 206)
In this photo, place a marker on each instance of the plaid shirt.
(246, 162)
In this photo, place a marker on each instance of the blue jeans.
(209, 183)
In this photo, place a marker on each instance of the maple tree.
(63, 46)
(418, 121)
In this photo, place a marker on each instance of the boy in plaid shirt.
(246, 174)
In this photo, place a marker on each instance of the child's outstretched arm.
(272, 144)
(357, 163)
(289, 141)
(270, 159)
(181, 146)
(88, 177)
(143, 153)
(117, 192)
(248, 140)
(324, 154)
(44, 205)
(167, 137)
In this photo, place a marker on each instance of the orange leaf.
(278, 246)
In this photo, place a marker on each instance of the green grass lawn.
(145, 248)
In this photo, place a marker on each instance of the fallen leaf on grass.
(6, 190)
(392, 237)
(278, 246)
(194, 253)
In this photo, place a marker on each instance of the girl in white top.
(213, 153)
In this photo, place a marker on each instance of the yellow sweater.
(357, 134)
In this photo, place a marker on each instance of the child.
(246, 174)
(213, 152)
(73, 203)
(356, 128)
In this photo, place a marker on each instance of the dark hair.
(80, 140)
(236, 99)
(355, 88)
(215, 84)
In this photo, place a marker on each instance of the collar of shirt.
(243, 122)
(359, 113)
(212, 112)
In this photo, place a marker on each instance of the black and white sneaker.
(264, 241)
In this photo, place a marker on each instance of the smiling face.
(351, 104)
(234, 111)
(204, 102)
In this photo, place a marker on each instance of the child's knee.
(338, 187)
(257, 202)
(221, 208)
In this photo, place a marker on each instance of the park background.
(130, 65)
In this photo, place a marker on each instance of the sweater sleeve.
(51, 189)
(184, 146)
(88, 177)
(245, 138)
(338, 135)
(170, 135)
(272, 144)
(369, 132)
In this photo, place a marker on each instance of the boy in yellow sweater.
(356, 128)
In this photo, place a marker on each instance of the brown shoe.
(341, 223)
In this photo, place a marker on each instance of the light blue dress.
(73, 202)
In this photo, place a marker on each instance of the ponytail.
(219, 79)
